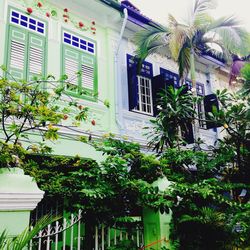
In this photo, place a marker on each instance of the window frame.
(93, 96)
(139, 77)
(27, 33)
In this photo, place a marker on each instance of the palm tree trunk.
(193, 79)
(192, 68)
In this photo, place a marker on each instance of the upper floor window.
(26, 46)
(168, 75)
(144, 95)
(140, 86)
(79, 64)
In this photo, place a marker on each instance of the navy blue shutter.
(187, 133)
(158, 84)
(171, 76)
(211, 101)
(146, 71)
(132, 82)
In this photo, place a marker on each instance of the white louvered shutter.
(71, 68)
(36, 55)
(17, 51)
(87, 77)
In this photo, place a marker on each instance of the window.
(26, 46)
(200, 106)
(139, 86)
(144, 95)
(170, 76)
(79, 64)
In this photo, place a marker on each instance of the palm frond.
(3, 239)
(234, 37)
(201, 6)
(184, 61)
(147, 39)
(23, 239)
(179, 35)
(216, 47)
(199, 12)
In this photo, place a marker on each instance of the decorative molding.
(63, 15)
(18, 192)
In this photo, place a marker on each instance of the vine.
(63, 15)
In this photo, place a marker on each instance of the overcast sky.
(158, 9)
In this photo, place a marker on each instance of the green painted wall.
(103, 116)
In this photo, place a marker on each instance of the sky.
(158, 9)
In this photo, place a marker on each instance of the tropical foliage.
(245, 71)
(21, 241)
(176, 112)
(199, 34)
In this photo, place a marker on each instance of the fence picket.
(56, 236)
(72, 232)
(48, 239)
(64, 233)
(79, 231)
(108, 236)
(96, 238)
(104, 236)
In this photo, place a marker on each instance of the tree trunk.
(193, 79)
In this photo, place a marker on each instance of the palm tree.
(186, 41)
(21, 241)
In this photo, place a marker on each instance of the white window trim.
(27, 28)
(79, 37)
(139, 94)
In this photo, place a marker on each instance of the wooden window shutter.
(132, 82)
(87, 77)
(158, 84)
(71, 67)
(211, 102)
(17, 52)
(88, 74)
(36, 55)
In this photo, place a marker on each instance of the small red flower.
(29, 10)
(39, 4)
(65, 20)
(93, 22)
(93, 122)
(92, 28)
(65, 117)
(66, 10)
(47, 14)
(81, 24)
(65, 16)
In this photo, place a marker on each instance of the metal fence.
(70, 234)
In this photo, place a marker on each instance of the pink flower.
(81, 24)
(47, 14)
(39, 4)
(29, 10)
